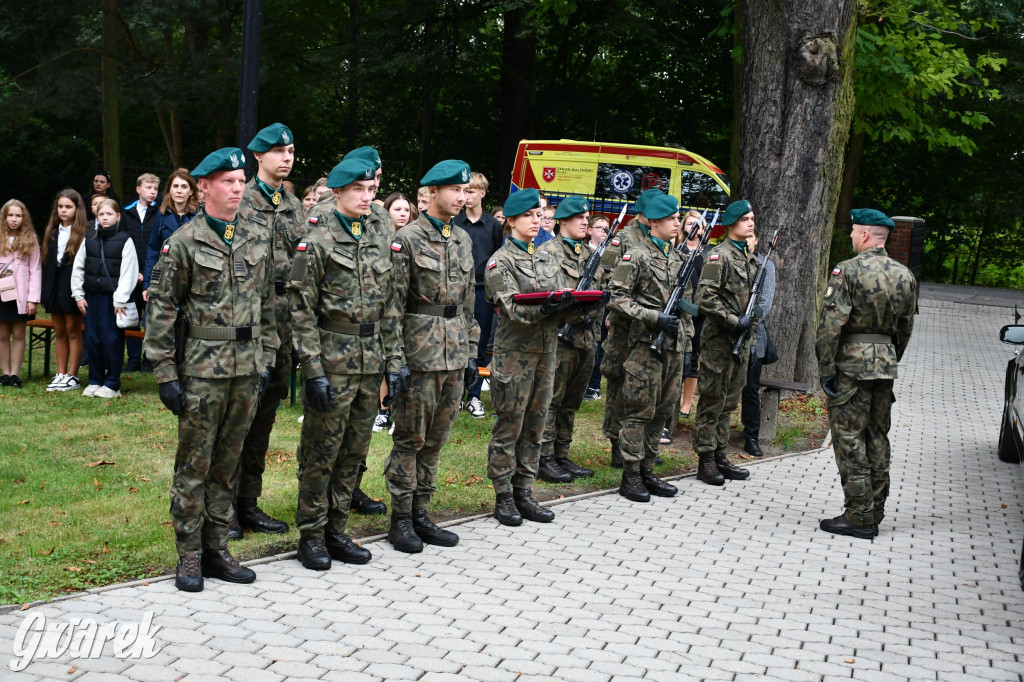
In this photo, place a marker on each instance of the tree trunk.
(518, 90)
(111, 121)
(737, 101)
(352, 80)
(797, 109)
(986, 229)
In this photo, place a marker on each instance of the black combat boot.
(632, 488)
(402, 536)
(189, 576)
(218, 563)
(840, 525)
(313, 554)
(573, 469)
(505, 511)
(616, 456)
(341, 547)
(549, 471)
(430, 532)
(729, 470)
(708, 472)
(655, 485)
(235, 531)
(752, 447)
(528, 507)
(364, 504)
(252, 517)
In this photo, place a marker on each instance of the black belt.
(280, 287)
(350, 328)
(865, 338)
(223, 333)
(436, 310)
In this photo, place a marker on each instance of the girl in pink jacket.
(19, 264)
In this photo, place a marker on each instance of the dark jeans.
(104, 341)
(483, 311)
(750, 414)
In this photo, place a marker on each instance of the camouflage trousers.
(521, 385)
(720, 384)
(860, 418)
(332, 449)
(210, 431)
(650, 395)
(423, 416)
(253, 459)
(615, 345)
(572, 377)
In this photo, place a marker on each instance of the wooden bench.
(40, 336)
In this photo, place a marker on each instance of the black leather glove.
(172, 395)
(264, 383)
(667, 323)
(556, 301)
(472, 372)
(395, 383)
(295, 358)
(319, 394)
(830, 385)
(743, 324)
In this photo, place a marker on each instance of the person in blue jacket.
(180, 204)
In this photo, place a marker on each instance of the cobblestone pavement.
(732, 583)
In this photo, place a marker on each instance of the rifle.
(565, 333)
(755, 295)
(685, 272)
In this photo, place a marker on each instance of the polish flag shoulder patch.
(396, 246)
(835, 272)
(493, 264)
(167, 247)
(615, 241)
(313, 220)
(301, 246)
(628, 257)
(713, 256)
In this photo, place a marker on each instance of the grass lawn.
(85, 481)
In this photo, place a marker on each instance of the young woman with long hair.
(19, 262)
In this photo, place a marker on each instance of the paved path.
(732, 583)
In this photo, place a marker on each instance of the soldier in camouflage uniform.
(576, 353)
(723, 292)
(616, 344)
(866, 321)
(523, 367)
(345, 330)
(640, 289)
(217, 270)
(435, 289)
(281, 215)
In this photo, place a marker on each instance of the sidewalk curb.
(11, 608)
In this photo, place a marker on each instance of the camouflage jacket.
(869, 294)
(723, 290)
(640, 288)
(286, 226)
(336, 280)
(586, 329)
(435, 289)
(522, 327)
(631, 235)
(217, 286)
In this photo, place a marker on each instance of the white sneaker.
(58, 379)
(107, 392)
(70, 383)
(476, 408)
(380, 422)
(90, 390)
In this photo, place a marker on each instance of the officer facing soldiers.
(866, 321)
(345, 330)
(640, 289)
(575, 354)
(617, 342)
(281, 216)
(723, 292)
(434, 288)
(217, 270)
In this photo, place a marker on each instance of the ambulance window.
(698, 189)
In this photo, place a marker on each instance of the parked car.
(1011, 432)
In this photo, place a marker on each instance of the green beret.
(275, 135)
(368, 153)
(522, 201)
(869, 216)
(570, 206)
(735, 211)
(226, 159)
(641, 201)
(450, 172)
(662, 206)
(349, 171)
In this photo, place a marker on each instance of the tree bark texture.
(111, 120)
(518, 89)
(798, 101)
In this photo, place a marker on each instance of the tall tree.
(797, 104)
(111, 119)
